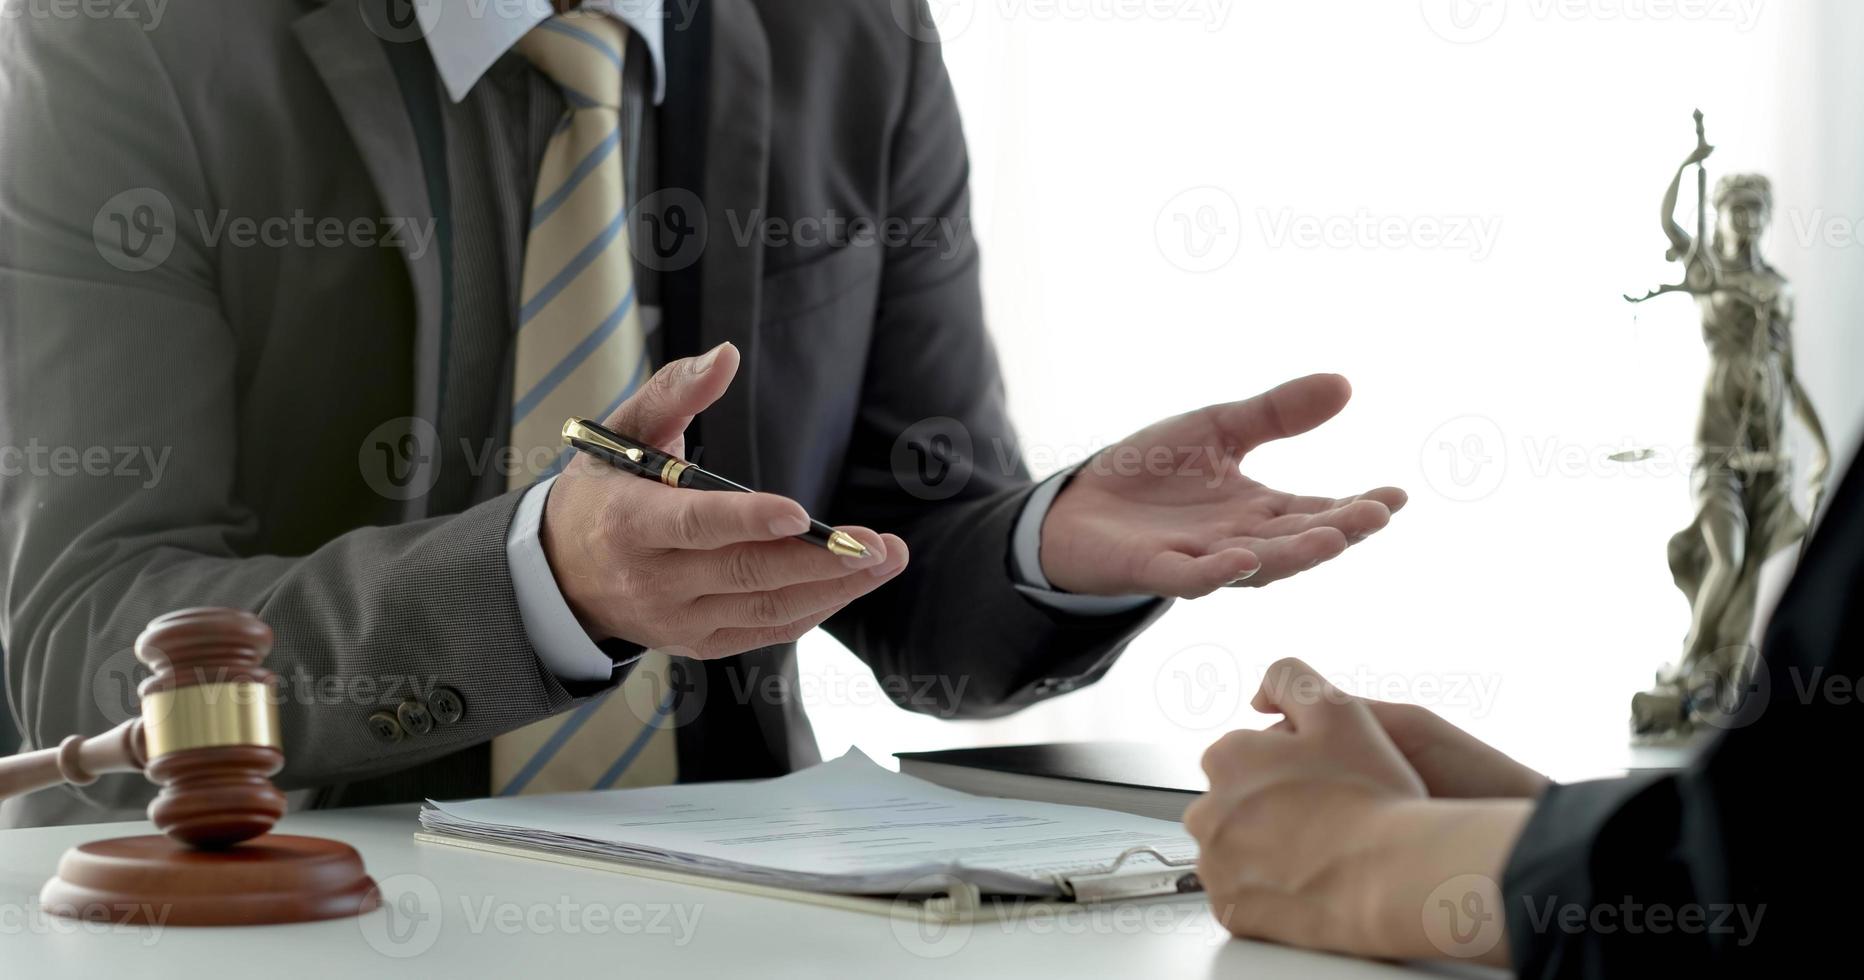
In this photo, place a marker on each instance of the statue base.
(154, 880)
(1688, 704)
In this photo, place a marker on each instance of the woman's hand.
(1320, 833)
(1453, 763)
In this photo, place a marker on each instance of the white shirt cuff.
(560, 641)
(1026, 560)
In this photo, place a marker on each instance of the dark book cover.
(1131, 764)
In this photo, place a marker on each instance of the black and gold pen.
(649, 463)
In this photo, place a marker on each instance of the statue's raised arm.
(1681, 242)
(1684, 245)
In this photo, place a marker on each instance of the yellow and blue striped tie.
(581, 350)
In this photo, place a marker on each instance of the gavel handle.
(77, 761)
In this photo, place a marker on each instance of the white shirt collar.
(467, 36)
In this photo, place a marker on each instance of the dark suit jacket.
(267, 374)
(1739, 865)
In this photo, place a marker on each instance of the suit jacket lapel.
(736, 169)
(350, 59)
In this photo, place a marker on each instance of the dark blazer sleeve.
(1739, 864)
(934, 457)
(101, 359)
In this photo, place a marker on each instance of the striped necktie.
(581, 351)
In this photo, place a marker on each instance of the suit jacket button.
(384, 727)
(414, 717)
(446, 705)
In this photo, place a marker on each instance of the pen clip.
(583, 430)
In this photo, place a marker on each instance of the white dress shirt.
(466, 38)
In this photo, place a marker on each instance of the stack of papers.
(848, 826)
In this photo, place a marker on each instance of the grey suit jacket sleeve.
(934, 457)
(120, 380)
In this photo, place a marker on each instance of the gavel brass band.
(209, 715)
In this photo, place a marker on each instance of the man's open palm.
(1169, 512)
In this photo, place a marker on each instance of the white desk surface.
(456, 913)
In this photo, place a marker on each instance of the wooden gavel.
(209, 737)
(208, 734)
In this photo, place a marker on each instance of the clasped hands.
(1341, 826)
(715, 574)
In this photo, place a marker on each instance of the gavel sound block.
(209, 737)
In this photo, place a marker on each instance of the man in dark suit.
(331, 275)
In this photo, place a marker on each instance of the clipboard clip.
(1108, 884)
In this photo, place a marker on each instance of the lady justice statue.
(1742, 476)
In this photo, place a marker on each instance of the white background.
(1149, 179)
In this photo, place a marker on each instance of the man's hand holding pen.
(710, 574)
